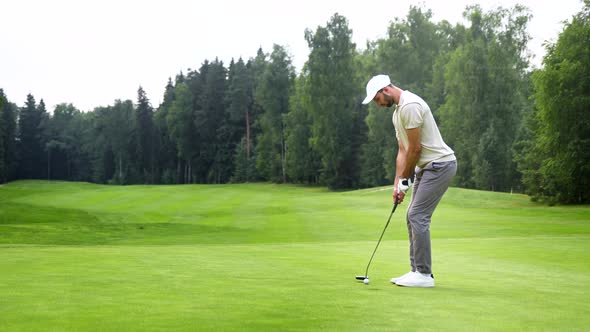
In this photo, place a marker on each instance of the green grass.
(83, 257)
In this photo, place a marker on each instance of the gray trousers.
(430, 184)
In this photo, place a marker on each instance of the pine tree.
(215, 155)
(256, 68)
(238, 101)
(9, 119)
(145, 137)
(3, 168)
(31, 163)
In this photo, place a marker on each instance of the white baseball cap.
(374, 85)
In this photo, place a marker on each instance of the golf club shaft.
(378, 242)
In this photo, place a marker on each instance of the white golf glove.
(404, 185)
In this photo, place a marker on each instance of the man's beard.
(389, 100)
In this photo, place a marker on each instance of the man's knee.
(420, 222)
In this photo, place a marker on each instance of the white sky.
(90, 53)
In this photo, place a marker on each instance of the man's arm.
(399, 167)
(412, 152)
(406, 160)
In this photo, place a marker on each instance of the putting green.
(78, 256)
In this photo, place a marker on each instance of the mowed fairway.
(84, 257)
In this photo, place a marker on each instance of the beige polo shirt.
(413, 112)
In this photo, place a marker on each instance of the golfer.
(422, 158)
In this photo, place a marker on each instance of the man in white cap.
(423, 157)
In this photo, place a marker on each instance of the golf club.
(365, 278)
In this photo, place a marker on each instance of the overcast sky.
(90, 53)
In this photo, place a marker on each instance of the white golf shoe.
(395, 280)
(416, 280)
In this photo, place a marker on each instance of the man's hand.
(401, 188)
(398, 196)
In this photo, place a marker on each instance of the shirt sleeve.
(411, 116)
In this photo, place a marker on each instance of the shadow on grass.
(58, 226)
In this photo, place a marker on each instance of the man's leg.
(412, 264)
(410, 235)
(434, 181)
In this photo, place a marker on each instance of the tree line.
(513, 128)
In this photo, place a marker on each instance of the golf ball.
(366, 281)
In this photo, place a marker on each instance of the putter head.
(361, 278)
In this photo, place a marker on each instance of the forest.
(514, 128)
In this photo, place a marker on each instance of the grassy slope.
(80, 256)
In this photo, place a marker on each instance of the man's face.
(383, 100)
